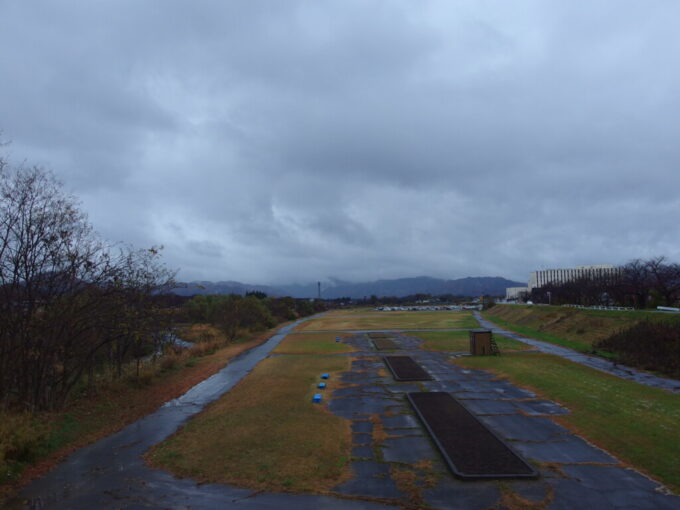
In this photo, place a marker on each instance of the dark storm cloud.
(274, 141)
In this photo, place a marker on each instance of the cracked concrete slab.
(570, 450)
(371, 487)
(364, 452)
(540, 407)
(524, 428)
(400, 421)
(402, 388)
(361, 439)
(491, 407)
(408, 449)
(362, 426)
(451, 494)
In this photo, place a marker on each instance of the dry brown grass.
(510, 500)
(198, 333)
(364, 320)
(413, 479)
(379, 434)
(313, 343)
(266, 433)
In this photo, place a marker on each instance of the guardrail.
(615, 308)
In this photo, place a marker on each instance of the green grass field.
(312, 343)
(459, 341)
(245, 437)
(636, 423)
(354, 320)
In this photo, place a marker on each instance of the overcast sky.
(290, 141)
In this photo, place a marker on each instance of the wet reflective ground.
(388, 441)
(111, 473)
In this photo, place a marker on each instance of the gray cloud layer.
(271, 141)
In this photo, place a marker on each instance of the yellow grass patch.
(313, 343)
(200, 333)
(459, 341)
(266, 433)
(367, 320)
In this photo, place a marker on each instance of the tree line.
(74, 309)
(70, 303)
(638, 284)
(235, 314)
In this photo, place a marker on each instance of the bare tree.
(65, 295)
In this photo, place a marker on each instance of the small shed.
(481, 342)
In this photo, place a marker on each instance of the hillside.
(470, 286)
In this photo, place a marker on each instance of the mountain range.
(470, 286)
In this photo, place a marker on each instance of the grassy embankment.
(636, 423)
(266, 433)
(354, 320)
(459, 341)
(568, 327)
(46, 438)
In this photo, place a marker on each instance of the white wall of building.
(514, 292)
(541, 278)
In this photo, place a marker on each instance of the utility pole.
(318, 288)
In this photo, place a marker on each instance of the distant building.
(557, 276)
(514, 293)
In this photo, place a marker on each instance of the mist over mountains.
(470, 286)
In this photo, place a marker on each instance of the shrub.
(203, 349)
(170, 361)
(22, 440)
(648, 345)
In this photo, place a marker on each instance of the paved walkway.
(584, 359)
(391, 447)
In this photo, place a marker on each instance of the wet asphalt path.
(595, 362)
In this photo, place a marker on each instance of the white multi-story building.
(512, 293)
(541, 278)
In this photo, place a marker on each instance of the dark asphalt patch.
(471, 450)
(403, 368)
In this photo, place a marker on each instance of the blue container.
(321, 385)
(316, 398)
(324, 376)
(337, 338)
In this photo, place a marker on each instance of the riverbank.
(48, 438)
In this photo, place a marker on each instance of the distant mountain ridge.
(470, 286)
